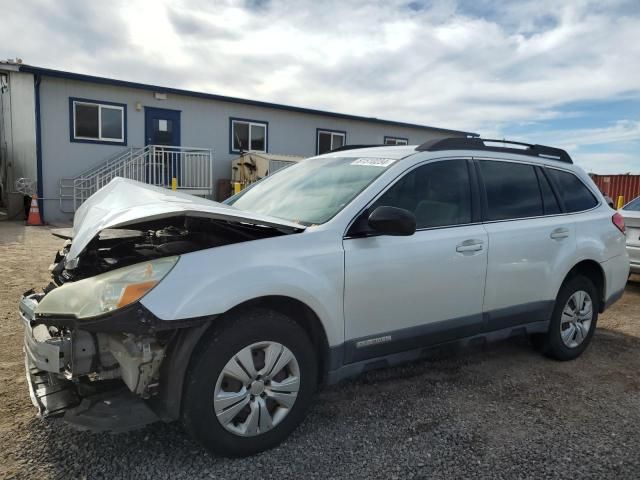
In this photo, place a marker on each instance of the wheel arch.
(181, 349)
(303, 315)
(592, 270)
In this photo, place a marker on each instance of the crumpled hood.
(124, 202)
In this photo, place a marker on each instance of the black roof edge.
(477, 143)
(223, 98)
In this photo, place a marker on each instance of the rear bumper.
(634, 258)
(616, 272)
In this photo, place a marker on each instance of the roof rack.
(475, 143)
(354, 147)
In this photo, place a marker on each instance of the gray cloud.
(474, 64)
(192, 24)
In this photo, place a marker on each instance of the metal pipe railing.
(154, 164)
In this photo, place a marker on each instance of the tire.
(261, 332)
(577, 334)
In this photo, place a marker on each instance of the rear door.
(530, 241)
(402, 293)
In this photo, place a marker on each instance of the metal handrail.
(192, 167)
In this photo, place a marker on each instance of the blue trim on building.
(39, 189)
(391, 137)
(328, 130)
(72, 138)
(156, 88)
(266, 133)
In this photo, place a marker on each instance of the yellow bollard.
(174, 184)
(237, 186)
(620, 203)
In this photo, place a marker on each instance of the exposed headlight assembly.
(106, 292)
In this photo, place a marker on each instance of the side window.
(549, 200)
(439, 194)
(512, 190)
(575, 195)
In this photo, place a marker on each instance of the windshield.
(312, 191)
(633, 205)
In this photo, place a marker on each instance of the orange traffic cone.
(34, 212)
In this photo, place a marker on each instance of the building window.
(327, 140)
(248, 135)
(396, 141)
(97, 122)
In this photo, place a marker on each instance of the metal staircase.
(154, 164)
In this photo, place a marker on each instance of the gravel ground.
(499, 412)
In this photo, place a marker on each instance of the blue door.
(162, 130)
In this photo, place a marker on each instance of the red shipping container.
(615, 185)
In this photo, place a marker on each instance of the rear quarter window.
(575, 194)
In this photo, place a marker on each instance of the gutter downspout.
(37, 79)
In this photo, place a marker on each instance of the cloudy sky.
(565, 73)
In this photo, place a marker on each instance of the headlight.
(108, 291)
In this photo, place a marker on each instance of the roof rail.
(475, 143)
(354, 147)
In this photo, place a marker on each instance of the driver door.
(406, 292)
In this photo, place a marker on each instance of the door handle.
(469, 246)
(559, 233)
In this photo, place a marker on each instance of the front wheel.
(250, 383)
(574, 319)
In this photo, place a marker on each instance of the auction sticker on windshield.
(374, 162)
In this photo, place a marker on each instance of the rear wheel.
(250, 383)
(574, 320)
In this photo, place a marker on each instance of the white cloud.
(608, 163)
(475, 65)
(617, 146)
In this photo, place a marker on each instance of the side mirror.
(393, 221)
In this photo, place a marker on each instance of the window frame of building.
(249, 122)
(395, 140)
(333, 133)
(100, 139)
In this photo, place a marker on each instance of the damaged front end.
(97, 380)
(93, 352)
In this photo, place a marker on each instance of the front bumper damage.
(98, 381)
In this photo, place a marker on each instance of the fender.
(306, 267)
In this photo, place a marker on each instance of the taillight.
(618, 221)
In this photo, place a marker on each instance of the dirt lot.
(502, 412)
